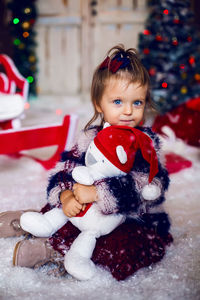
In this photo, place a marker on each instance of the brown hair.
(134, 72)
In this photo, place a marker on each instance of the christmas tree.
(22, 21)
(170, 50)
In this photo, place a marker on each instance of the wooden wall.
(74, 36)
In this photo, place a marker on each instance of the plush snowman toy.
(111, 153)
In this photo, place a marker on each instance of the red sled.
(13, 94)
(13, 141)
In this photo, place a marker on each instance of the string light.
(176, 20)
(166, 12)
(146, 51)
(197, 77)
(58, 111)
(159, 38)
(26, 105)
(184, 90)
(16, 42)
(182, 66)
(27, 10)
(184, 75)
(25, 25)
(25, 34)
(174, 41)
(21, 46)
(30, 79)
(189, 39)
(164, 85)
(15, 21)
(152, 71)
(146, 32)
(192, 60)
(32, 58)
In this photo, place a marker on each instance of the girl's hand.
(85, 193)
(71, 207)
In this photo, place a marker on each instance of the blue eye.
(117, 101)
(138, 103)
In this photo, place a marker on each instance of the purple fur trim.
(141, 179)
(153, 136)
(54, 196)
(106, 201)
(84, 139)
(58, 167)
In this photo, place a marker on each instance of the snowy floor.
(177, 276)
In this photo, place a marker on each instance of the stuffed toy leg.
(92, 225)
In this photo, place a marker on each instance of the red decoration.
(14, 141)
(166, 12)
(164, 85)
(192, 60)
(176, 163)
(146, 32)
(146, 51)
(183, 120)
(12, 80)
(159, 38)
(152, 71)
(176, 21)
(175, 42)
(13, 89)
(194, 104)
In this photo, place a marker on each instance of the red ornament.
(146, 51)
(152, 71)
(194, 104)
(32, 21)
(166, 12)
(182, 128)
(164, 85)
(192, 60)
(146, 32)
(175, 42)
(176, 21)
(182, 66)
(159, 38)
(189, 39)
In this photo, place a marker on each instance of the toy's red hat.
(110, 138)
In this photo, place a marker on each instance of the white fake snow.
(177, 276)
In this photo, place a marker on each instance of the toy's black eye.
(102, 160)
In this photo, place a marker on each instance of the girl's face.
(123, 103)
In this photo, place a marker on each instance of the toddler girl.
(120, 96)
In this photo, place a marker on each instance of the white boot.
(78, 261)
(43, 225)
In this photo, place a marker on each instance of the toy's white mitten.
(82, 175)
(151, 192)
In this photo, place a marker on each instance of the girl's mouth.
(126, 121)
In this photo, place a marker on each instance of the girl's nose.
(128, 109)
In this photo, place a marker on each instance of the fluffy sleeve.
(118, 195)
(60, 178)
